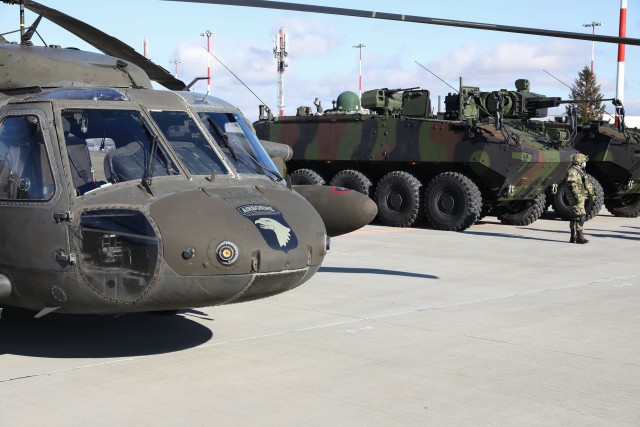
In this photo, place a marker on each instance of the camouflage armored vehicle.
(450, 169)
(614, 165)
(520, 108)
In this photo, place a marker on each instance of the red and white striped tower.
(144, 48)
(208, 35)
(280, 52)
(622, 33)
(360, 46)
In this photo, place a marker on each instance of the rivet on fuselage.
(188, 253)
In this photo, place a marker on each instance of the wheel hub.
(447, 202)
(395, 201)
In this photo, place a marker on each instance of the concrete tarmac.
(498, 325)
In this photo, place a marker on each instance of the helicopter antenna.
(21, 20)
(436, 76)
(239, 79)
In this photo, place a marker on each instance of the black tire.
(398, 199)
(353, 180)
(306, 177)
(452, 202)
(627, 206)
(592, 207)
(524, 212)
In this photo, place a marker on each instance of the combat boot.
(580, 237)
(573, 236)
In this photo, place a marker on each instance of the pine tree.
(586, 87)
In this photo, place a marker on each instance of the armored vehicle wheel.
(352, 180)
(627, 206)
(453, 202)
(592, 207)
(398, 199)
(524, 212)
(306, 177)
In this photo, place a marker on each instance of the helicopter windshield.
(107, 146)
(239, 143)
(193, 149)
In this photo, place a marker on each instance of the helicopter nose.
(257, 241)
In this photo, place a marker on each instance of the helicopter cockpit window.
(110, 146)
(25, 172)
(239, 143)
(193, 149)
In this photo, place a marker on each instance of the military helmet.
(579, 159)
(348, 101)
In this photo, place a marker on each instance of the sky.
(322, 60)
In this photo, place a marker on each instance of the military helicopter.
(118, 198)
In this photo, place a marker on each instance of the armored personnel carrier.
(610, 163)
(614, 165)
(450, 169)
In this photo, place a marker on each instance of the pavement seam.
(57, 371)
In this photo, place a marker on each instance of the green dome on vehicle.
(348, 101)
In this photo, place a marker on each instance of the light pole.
(208, 35)
(360, 46)
(175, 62)
(593, 26)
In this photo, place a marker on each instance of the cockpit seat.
(129, 162)
(79, 159)
(82, 172)
(125, 163)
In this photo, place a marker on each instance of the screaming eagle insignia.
(272, 225)
(283, 234)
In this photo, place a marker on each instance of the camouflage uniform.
(579, 189)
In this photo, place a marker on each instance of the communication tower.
(280, 52)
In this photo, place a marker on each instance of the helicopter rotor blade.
(298, 7)
(107, 44)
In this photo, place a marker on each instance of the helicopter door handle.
(63, 216)
(63, 257)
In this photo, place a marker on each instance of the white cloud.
(309, 37)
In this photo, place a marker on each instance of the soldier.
(578, 189)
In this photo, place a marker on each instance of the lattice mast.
(280, 52)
